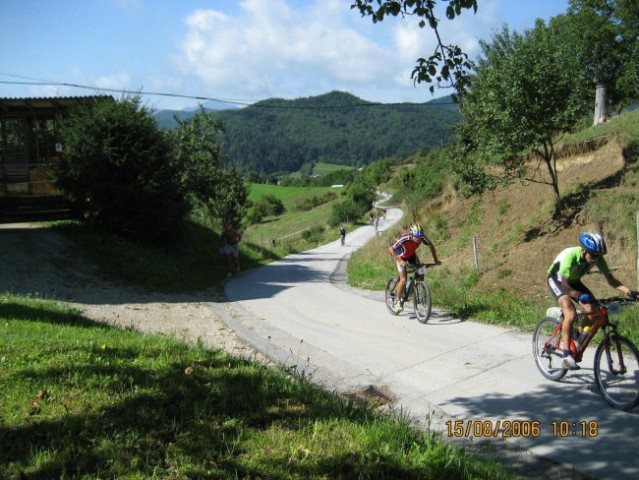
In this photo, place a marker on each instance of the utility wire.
(194, 97)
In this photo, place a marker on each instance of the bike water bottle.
(582, 338)
(407, 290)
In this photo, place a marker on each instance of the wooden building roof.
(20, 107)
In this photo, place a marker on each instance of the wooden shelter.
(29, 148)
(29, 142)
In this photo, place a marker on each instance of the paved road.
(298, 312)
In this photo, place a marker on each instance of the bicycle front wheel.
(390, 294)
(422, 301)
(547, 350)
(617, 372)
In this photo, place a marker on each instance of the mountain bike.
(416, 289)
(616, 365)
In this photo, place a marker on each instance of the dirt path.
(39, 262)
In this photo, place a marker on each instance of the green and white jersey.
(569, 264)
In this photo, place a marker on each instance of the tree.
(528, 88)
(116, 170)
(600, 41)
(448, 63)
(520, 98)
(197, 156)
(121, 172)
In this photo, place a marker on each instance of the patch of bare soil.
(522, 212)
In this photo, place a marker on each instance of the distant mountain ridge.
(278, 135)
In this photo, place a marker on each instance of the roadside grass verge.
(456, 291)
(190, 264)
(85, 400)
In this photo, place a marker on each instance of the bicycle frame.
(601, 320)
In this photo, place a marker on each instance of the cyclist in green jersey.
(564, 281)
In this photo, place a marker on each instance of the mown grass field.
(85, 400)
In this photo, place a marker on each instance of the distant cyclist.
(564, 280)
(342, 235)
(403, 251)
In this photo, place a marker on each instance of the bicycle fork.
(609, 345)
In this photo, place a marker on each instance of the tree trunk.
(551, 165)
(600, 104)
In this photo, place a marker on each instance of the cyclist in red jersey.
(404, 252)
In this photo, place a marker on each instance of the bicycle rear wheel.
(422, 301)
(547, 349)
(617, 372)
(389, 295)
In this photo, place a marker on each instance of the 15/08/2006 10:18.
(520, 428)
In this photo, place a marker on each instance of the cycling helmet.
(593, 243)
(416, 230)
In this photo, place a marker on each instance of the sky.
(178, 54)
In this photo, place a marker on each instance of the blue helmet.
(416, 230)
(593, 243)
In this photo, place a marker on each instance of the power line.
(38, 82)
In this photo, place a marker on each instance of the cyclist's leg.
(401, 269)
(570, 314)
(588, 320)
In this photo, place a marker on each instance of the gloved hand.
(633, 294)
(585, 298)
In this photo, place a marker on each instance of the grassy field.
(290, 196)
(297, 230)
(83, 400)
(322, 168)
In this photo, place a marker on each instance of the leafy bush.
(268, 205)
(116, 172)
(317, 200)
(347, 212)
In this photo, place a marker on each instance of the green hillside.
(277, 135)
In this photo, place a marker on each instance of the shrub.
(116, 171)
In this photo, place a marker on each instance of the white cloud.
(274, 50)
(289, 48)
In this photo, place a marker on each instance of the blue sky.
(232, 50)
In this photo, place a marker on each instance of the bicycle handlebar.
(602, 302)
(415, 266)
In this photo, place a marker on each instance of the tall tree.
(116, 170)
(197, 153)
(599, 40)
(528, 88)
(518, 100)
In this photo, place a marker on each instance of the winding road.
(300, 312)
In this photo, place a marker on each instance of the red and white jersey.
(405, 247)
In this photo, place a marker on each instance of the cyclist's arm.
(433, 252)
(396, 256)
(610, 278)
(616, 284)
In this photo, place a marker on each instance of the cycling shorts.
(230, 250)
(411, 261)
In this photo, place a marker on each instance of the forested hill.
(279, 135)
